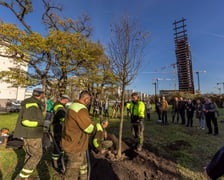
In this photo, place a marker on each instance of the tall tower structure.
(183, 57)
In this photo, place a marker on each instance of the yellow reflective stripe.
(27, 171)
(95, 143)
(55, 158)
(55, 155)
(58, 106)
(84, 166)
(29, 123)
(77, 106)
(62, 119)
(89, 129)
(28, 105)
(24, 175)
(99, 127)
(83, 169)
(128, 105)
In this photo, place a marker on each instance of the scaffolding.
(183, 56)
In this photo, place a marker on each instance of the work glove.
(46, 125)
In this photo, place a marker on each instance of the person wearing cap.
(75, 137)
(29, 126)
(99, 140)
(59, 111)
(137, 110)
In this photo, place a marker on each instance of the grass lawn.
(196, 150)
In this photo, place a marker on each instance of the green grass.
(190, 158)
(8, 120)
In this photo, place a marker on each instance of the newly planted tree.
(126, 53)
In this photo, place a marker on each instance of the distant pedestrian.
(50, 103)
(96, 107)
(190, 112)
(211, 113)
(181, 107)
(158, 109)
(175, 110)
(200, 114)
(148, 109)
(115, 108)
(106, 108)
(29, 126)
(164, 109)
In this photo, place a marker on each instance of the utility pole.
(155, 87)
(197, 72)
(222, 84)
(157, 84)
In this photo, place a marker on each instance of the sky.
(205, 29)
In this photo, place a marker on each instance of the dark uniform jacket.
(59, 112)
(30, 120)
(58, 119)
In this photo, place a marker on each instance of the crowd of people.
(69, 127)
(185, 111)
(73, 132)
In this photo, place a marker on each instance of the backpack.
(14, 143)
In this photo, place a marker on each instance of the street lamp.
(222, 84)
(155, 87)
(197, 72)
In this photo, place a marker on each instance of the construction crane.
(174, 66)
(157, 83)
(219, 89)
(222, 84)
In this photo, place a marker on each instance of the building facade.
(7, 92)
(183, 56)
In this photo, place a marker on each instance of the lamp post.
(155, 87)
(222, 84)
(197, 72)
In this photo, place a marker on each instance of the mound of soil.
(143, 165)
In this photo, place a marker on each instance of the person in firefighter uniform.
(29, 126)
(75, 138)
(137, 109)
(59, 111)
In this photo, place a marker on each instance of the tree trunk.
(121, 123)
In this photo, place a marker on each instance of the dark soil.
(143, 165)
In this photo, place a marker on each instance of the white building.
(7, 92)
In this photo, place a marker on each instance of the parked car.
(13, 106)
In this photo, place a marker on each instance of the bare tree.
(126, 52)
